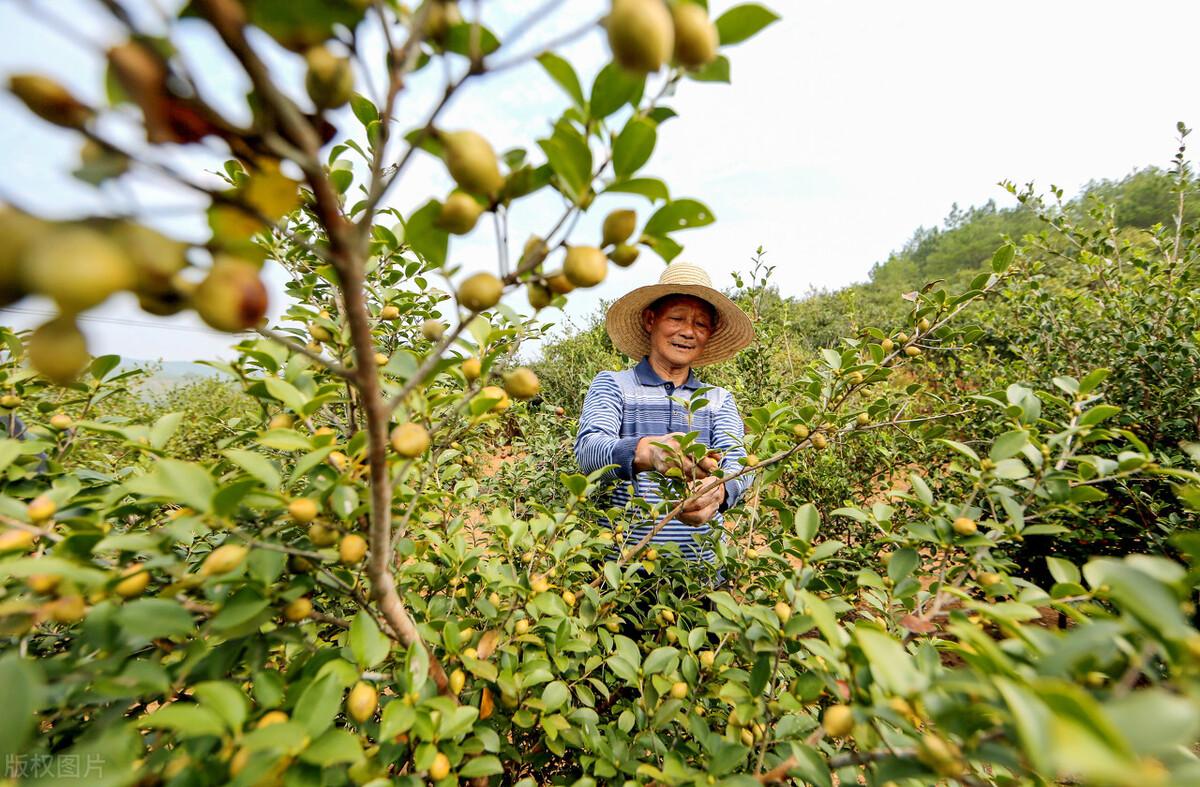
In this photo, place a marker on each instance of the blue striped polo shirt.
(622, 407)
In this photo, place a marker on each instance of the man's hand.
(711, 493)
(663, 453)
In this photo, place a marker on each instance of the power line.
(126, 322)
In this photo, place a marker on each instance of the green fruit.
(522, 383)
(585, 266)
(61, 422)
(79, 268)
(838, 720)
(618, 226)
(459, 213)
(539, 295)
(322, 536)
(156, 258)
(696, 37)
(329, 79)
(58, 350)
(623, 255)
(472, 162)
(559, 283)
(534, 252)
(19, 231)
(232, 297)
(433, 330)
(480, 291)
(641, 34)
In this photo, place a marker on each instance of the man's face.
(679, 331)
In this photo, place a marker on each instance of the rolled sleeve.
(728, 434)
(598, 442)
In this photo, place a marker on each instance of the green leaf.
(1011, 469)
(104, 364)
(287, 736)
(21, 692)
(487, 765)
(1153, 721)
(364, 109)
(397, 718)
(186, 719)
(571, 159)
(652, 189)
(343, 500)
(164, 428)
(424, 237)
(176, 482)
(902, 563)
(891, 665)
(369, 645)
(224, 699)
(678, 215)
(633, 145)
(285, 392)
(808, 521)
(1100, 412)
(741, 22)
(716, 71)
(1140, 595)
(612, 89)
(1008, 445)
(154, 618)
(555, 695)
(1063, 570)
(318, 705)
(256, 465)
(285, 440)
(562, 73)
(1003, 258)
(1031, 717)
(335, 746)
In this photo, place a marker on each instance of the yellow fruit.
(521, 383)
(297, 609)
(319, 332)
(322, 536)
(329, 79)
(40, 509)
(441, 16)
(49, 100)
(459, 213)
(838, 720)
(339, 461)
(618, 226)
(534, 252)
(58, 350)
(472, 162)
(10, 401)
(862, 419)
(707, 657)
(224, 559)
(679, 690)
(43, 583)
(232, 297)
(78, 268)
(989, 578)
(68, 609)
(800, 431)
(902, 337)
(389, 313)
(559, 283)
(361, 702)
(472, 368)
(497, 393)
(695, 35)
(941, 755)
(965, 526)
(61, 422)
(585, 266)
(458, 679)
(855, 377)
(641, 34)
(410, 440)
(156, 259)
(539, 295)
(433, 330)
(783, 610)
(271, 717)
(623, 255)
(568, 598)
(353, 549)
(752, 553)
(912, 351)
(303, 510)
(440, 768)
(888, 345)
(923, 325)
(137, 579)
(15, 539)
(539, 584)
(613, 624)
(819, 441)
(381, 359)
(751, 460)
(480, 291)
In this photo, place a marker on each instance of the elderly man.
(631, 418)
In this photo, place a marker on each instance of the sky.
(846, 127)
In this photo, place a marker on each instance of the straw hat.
(624, 321)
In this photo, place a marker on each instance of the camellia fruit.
(819, 441)
(303, 510)
(224, 559)
(441, 16)
(232, 297)
(20, 231)
(640, 34)
(497, 393)
(329, 79)
(480, 291)
(521, 627)
(559, 283)
(458, 679)
(271, 717)
(136, 580)
(888, 345)
(353, 549)
(472, 162)
(68, 609)
(49, 100)
(440, 767)
(318, 332)
(585, 266)
(78, 268)
(941, 755)
(280, 421)
(783, 611)
(459, 213)
(381, 359)
(696, 37)
(10, 401)
(40, 509)
(618, 226)
(297, 610)
(623, 255)
(433, 330)
(322, 536)
(472, 368)
(16, 540)
(156, 259)
(58, 350)
(965, 526)
(534, 252)
(362, 701)
(61, 422)
(838, 720)
(522, 383)
(539, 295)
(410, 440)
(389, 312)
(912, 351)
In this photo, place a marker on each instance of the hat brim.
(624, 322)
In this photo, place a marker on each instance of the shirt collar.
(647, 376)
